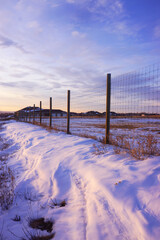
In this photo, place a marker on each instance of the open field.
(95, 127)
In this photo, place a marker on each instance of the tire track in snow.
(81, 188)
(108, 220)
(99, 215)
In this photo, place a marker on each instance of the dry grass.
(99, 149)
(5, 146)
(16, 218)
(115, 126)
(54, 203)
(7, 183)
(39, 225)
(30, 195)
(37, 236)
(48, 128)
(42, 224)
(85, 135)
(124, 126)
(140, 148)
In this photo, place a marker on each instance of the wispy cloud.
(27, 85)
(20, 75)
(101, 8)
(111, 14)
(78, 34)
(7, 42)
(35, 26)
(157, 32)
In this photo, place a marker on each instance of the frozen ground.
(129, 127)
(108, 196)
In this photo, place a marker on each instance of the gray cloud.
(7, 42)
(20, 75)
(22, 85)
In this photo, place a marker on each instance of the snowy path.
(108, 196)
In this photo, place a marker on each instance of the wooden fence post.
(40, 113)
(108, 102)
(50, 113)
(33, 113)
(68, 112)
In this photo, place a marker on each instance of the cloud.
(111, 14)
(54, 5)
(107, 8)
(20, 75)
(78, 34)
(7, 42)
(70, 1)
(21, 84)
(157, 32)
(121, 27)
(35, 26)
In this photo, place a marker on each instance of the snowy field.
(108, 196)
(130, 127)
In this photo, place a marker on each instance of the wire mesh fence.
(135, 103)
(88, 112)
(134, 110)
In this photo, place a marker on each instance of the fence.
(134, 110)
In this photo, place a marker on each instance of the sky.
(50, 46)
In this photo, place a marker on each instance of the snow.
(108, 196)
(94, 126)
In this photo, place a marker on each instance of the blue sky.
(49, 46)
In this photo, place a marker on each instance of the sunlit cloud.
(78, 34)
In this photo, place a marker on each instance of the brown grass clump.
(37, 236)
(47, 237)
(42, 224)
(117, 150)
(151, 144)
(99, 149)
(7, 183)
(87, 136)
(139, 148)
(63, 203)
(54, 203)
(147, 146)
(16, 218)
(124, 126)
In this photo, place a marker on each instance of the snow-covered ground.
(95, 126)
(108, 196)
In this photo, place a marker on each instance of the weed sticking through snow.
(6, 187)
(37, 236)
(31, 196)
(42, 224)
(54, 203)
(140, 148)
(99, 149)
(16, 218)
